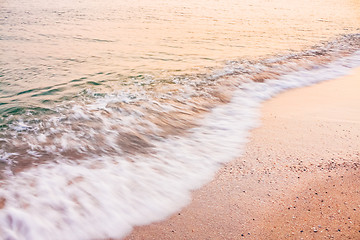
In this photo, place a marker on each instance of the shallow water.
(111, 112)
(51, 48)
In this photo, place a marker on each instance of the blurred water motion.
(112, 111)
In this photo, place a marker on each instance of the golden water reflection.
(72, 40)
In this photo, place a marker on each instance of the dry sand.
(298, 178)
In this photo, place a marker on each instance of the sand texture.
(298, 178)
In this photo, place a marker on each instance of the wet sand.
(299, 177)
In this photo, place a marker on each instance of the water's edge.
(114, 193)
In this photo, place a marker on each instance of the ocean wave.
(106, 163)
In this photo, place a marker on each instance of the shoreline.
(298, 176)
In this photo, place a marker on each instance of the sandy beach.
(173, 119)
(297, 179)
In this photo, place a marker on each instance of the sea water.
(111, 112)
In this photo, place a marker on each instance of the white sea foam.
(106, 196)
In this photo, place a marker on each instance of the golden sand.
(298, 179)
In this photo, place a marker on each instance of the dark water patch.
(16, 111)
(93, 83)
(25, 92)
(5, 112)
(78, 80)
(30, 90)
(50, 92)
(47, 101)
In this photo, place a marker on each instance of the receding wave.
(102, 163)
